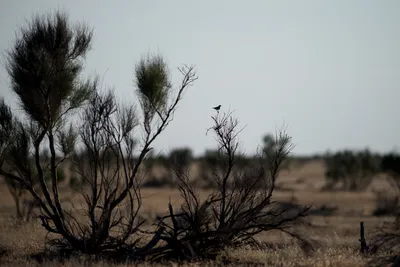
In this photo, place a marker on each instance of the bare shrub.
(387, 236)
(231, 215)
(387, 203)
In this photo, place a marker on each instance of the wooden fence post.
(364, 247)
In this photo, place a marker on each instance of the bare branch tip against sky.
(328, 70)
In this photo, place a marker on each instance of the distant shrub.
(210, 163)
(211, 157)
(390, 164)
(180, 157)
(352, 171)
(269, 147)
(388, 202)
(76, 183)
(61, 176)
(149, 164)
(213, 162)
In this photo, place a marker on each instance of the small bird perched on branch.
(217, 108)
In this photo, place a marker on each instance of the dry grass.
(337, 235)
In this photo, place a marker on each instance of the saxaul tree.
(44, 65)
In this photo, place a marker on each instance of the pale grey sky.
(328, 70)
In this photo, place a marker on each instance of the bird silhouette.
(217, 108)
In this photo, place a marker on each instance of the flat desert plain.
(336, 233)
